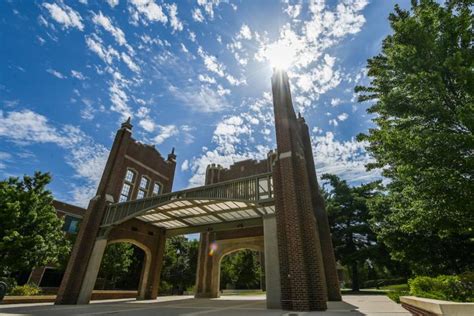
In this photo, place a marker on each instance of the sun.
(280, 55)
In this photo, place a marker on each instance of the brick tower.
(299, 211)
(127, 155)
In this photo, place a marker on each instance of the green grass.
(396, 287)
(244, 293)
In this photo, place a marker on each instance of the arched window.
(157, 188)
(127, 187)
(143, 188)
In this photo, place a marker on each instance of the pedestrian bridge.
(244, 200)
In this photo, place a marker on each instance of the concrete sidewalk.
(226, 305)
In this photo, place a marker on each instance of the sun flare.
(280, 55)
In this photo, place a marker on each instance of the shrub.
(444, 287)
(395, 295)
(25, 290)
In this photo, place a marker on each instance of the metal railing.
(255, 189)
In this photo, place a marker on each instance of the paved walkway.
(352, 305)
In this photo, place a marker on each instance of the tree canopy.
(355, 243)
(30, 232)
(421, 91)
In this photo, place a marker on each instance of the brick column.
(329, 260)
(204, 273)
(303, 284)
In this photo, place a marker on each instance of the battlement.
(245, 168)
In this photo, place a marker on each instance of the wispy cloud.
(64, 15)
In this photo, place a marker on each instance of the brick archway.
(208, 272)
(146, 264)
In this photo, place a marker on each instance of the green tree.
(422, 94)
(180, 264)
(242, 269)
(116, 262)
(355, 243)
(30, 232)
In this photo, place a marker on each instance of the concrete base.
(426, 306)
(92, 271)
(272, 266)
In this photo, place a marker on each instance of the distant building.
(50, 275)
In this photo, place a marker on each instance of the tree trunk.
(355, 276)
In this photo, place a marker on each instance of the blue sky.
(194, 75)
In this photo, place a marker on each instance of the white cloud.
(64, 15)
(234, 81)
(147, 124)
(346, 159)
(5, 157)
(119, 99)
(88, 111)
(245, 32)
(197, 15)
(94, 43)
(78, 75)
(335, 101)
(206, 78)
(192, 36)
(166, 131)
(200, 99)
(208, 6)
(184, 49)
(152, 11)
(176, 24)
(293, 10)
(130, 63)
(106, 23)
(185, 165)
(85, 156)
(56, 73)
(211, 62)
(342, 117)
(186, 131)
(113, 3)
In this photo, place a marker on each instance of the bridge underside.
(227, 205)
(191, 216)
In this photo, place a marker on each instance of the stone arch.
(146, 266)
(208, 276)
(255, 247)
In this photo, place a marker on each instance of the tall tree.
(180, 263)
(116, 262)
(242, 269)
(30, 232)
(422, 94)
(354, 241)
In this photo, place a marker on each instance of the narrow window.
(143, 188)
(127, 188)
(156, 188)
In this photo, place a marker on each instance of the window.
(127, 188)
(156, 188)
(125, 194)
(71, 224)
(130, 176)
(143, 188)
